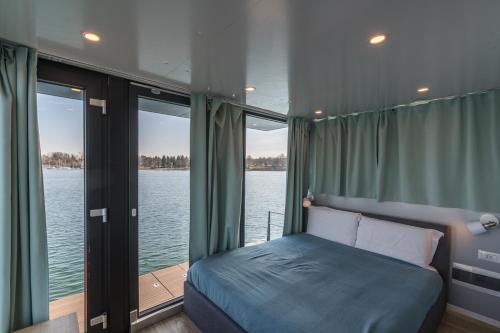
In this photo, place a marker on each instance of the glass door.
(265, 178)
(159, 198)
(72, 140)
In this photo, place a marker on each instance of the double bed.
(303, 283)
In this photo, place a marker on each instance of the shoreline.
(159, 169)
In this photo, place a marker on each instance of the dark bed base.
(211, 319)
(205, 314)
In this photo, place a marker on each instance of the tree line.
(63, 160)
(76, 161)
(277, 163)
(164, 162)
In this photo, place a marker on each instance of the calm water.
(163, 220)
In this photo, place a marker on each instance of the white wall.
(464, 245)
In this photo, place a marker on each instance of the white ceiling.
(301, 55)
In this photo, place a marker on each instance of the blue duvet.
(302, 283)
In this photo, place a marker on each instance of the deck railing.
(269, 223)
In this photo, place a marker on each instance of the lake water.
(163, 220)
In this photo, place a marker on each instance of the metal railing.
(269, 223)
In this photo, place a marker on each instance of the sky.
(61, 121)
(266, 143)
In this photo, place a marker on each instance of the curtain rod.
(170, 87)
(11, 43)
(257, 110)
(415, 103)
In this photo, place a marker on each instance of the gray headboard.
(441, 261)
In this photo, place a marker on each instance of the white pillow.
(411, 244)
(335, 225)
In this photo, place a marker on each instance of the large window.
(265, 179)
(61, 128)
(163, 201)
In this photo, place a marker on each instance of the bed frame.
(211, 319)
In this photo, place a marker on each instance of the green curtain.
(344, 155)
(297, 171)
(198, 234)
(217, 157)
(442, 153)
(23, 238)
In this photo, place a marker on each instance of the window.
(61, 128)
(163, 201)
(265, 179)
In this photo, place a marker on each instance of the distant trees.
(266, 163)
(63, 160)
(76, 161)
(164, 162)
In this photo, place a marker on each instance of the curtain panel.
(297, 174)
(344, 155)
(24, 298)
(443, 153)
(217, 167)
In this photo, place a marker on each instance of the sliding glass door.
(159, 198)
(265, 178)
(72, 139)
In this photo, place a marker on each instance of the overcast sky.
(61, 130)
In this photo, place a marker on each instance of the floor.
(453, 322)
(154, 288)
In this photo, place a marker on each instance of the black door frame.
(136, 91)
(96, 182)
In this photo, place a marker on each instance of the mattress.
(302, 283)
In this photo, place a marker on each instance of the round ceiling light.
(250, 88)
(90, 36)
(318, 111)
(423, 89)
(377, 39)
(75, 90)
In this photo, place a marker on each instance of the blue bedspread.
(302, 283)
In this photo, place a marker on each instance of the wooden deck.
(155, 288)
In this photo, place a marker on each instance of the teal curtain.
(198, 233)
(442, 153)
(23, 238)
(344, 155)
(217, 157)
(297, 172)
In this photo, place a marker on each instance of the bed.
(302, 283)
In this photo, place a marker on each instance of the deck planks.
(172, 279)
(152, 292)
(68, 305)
(155, 288)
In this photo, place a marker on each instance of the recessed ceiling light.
(75, 89)
(91, 36)
(423, 89)
(318, 111)
(377, 39)
(250, 88)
